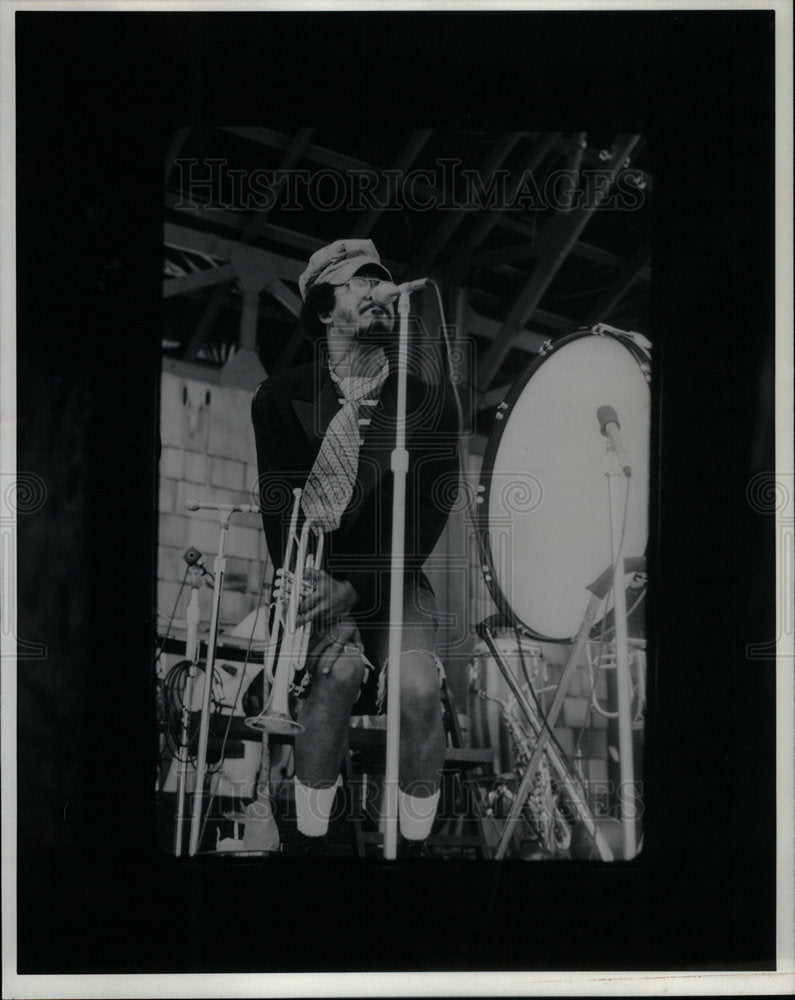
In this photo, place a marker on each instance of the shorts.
(420, 625)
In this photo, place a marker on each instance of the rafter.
(184, 238)
(580, 249)
(481, 326)
(199, 279)
(275, 266)
(557, 238)
(174, 149)
(250, 230)
(204, 212)
(627, 277)
(439, 240)
(488, 220)
(291, 157)
(408, 155)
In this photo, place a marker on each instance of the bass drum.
(544, 515)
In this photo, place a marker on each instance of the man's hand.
(329, 601)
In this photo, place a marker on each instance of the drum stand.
(542, 727)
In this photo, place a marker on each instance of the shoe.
(302, 846)
(414, 850)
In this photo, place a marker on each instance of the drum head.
(545, 515)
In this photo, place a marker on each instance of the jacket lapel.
(314, 412)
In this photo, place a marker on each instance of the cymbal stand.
(192, 654)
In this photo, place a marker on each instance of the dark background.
(99, 95)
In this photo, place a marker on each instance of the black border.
(98, 97)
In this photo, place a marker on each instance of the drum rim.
(487, 468)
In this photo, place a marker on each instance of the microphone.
(193, 557)
(610, 427)
(386, 291)
(193, 504)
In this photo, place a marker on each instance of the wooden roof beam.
(291, 157)
(199, 279)
(250, 230)
(627, 277)
(488, 220)
(554, 321)
(205, 212)
(481, 326)
(556, 240)
(580, 249)
(408, 155)
(439, 240)
(185, 238)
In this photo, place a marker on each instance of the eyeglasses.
(359, 283)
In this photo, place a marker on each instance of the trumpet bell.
(275, 722)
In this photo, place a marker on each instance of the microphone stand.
(626, 790)
(192, 654)
(224, 517)
(399, 465)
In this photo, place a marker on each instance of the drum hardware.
(292, 642)
(541, 729)
(599, 592)
(544, 814)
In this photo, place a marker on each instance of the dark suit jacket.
(291, 411)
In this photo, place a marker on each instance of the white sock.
(313, 807)
(416, 814)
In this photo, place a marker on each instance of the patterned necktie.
(329, 488)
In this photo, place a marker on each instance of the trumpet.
(288, 644)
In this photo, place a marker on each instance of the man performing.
(329, 428)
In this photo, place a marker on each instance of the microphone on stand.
(193, 504)
(610, 427)
(193, 557)
(386, 291)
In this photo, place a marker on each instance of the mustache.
(376, 307)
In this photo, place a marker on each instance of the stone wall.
(207, 453)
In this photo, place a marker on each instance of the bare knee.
(419, 684)
(344, 677)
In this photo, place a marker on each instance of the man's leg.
(422, 739)
(319, 748)
(422, 742)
